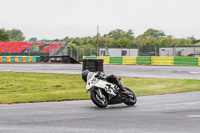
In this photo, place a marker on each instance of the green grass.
(33, 87)
(142, 86)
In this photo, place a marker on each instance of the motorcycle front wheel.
(131, 101)
(97, 100)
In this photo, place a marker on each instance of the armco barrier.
(169, 61)
(31, 59)
(186, 61)
(28, 59)
(4, 58)
(8, 59)
(199, 61)
(115, 60)
(106, 60)
(12, 58)
(144, 60)
(16, 58)
(89, 57)
(24, 59)
(20, 58)
(129, 60)
(36, 59)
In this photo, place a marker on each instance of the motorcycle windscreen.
(91, 80)
(90, 75)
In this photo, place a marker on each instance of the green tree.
(154, 33)
(125, 42)
(66, 39)
(33, 39)
(129, 34)
(15, 35)
(116, 34)
(3, 35)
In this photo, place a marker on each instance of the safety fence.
(19, 58)
(154, 60)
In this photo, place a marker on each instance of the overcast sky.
(50, 19)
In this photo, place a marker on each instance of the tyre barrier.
(93, 65)
(99, 65)
(57, 59)
(44, 59)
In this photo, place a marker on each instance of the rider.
(111, 78)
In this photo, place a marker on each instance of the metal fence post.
(49, 54)
(194, 49)
(77, 53)
(105, 49)
(90, 51)
(121, 48)
(29, 50)
(49, 50)
(155, 49)
(138, 49)
(83, 49)
(174, 50)
(97, 49)
(71, 52)
(66, 50)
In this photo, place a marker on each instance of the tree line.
(115, 38)
(11, 35)
(146, 42)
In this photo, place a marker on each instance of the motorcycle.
(103, 93)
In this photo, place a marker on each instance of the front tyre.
(97, 100)
(131, 101)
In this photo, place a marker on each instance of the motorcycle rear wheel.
(100, 102)
(131, 101)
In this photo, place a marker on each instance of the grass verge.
(33, 87)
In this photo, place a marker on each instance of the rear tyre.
(131, 101)
(100, 102)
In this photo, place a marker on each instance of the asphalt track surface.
(172, 113)
(173, 72)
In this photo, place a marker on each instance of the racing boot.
(123, 90)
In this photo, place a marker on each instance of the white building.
(179, 51)
(118, 52)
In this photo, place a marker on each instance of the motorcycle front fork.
(99, 92)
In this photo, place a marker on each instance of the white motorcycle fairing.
(99, 83)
